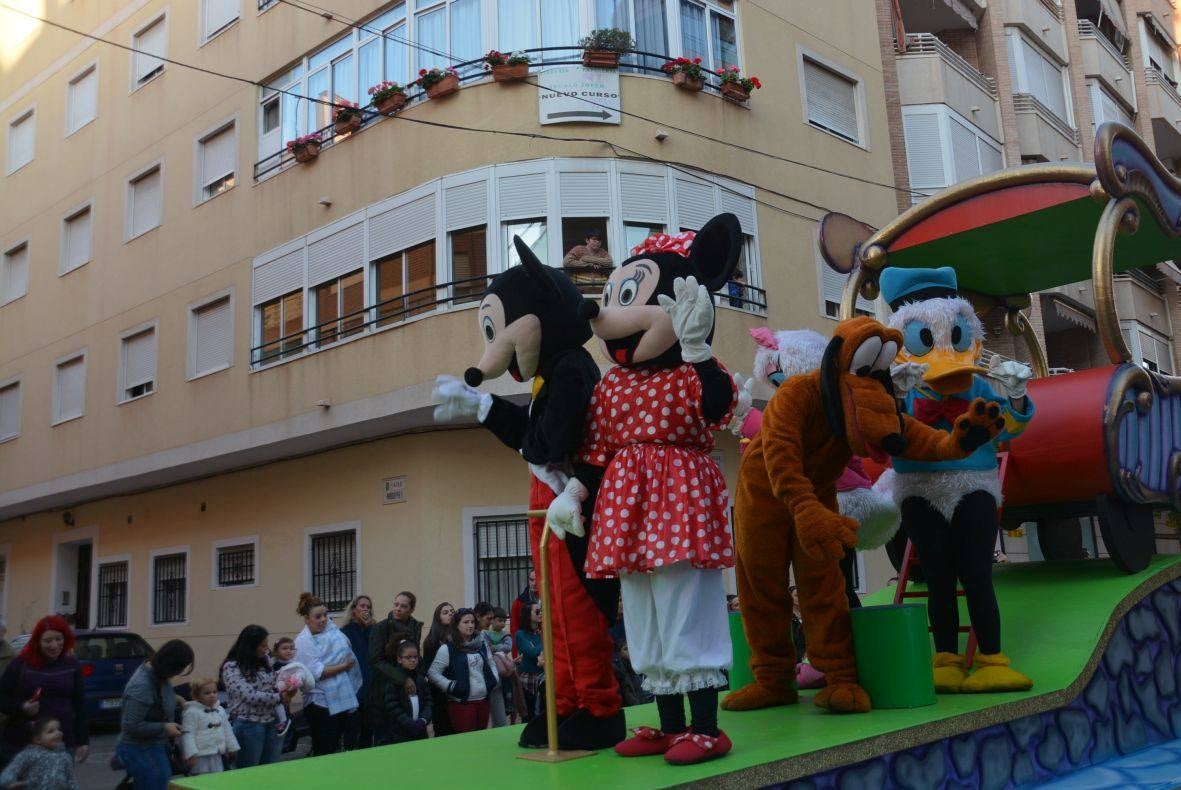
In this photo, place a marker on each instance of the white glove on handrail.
(457, 399)
(565, 512)
(693, 317)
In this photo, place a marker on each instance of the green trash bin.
(740, 672)
(894, 655)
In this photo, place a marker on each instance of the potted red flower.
(686, 73)
(305, 148)
(735, 86)
(388, 97)
(347, 117)
(507, 68)
(602, 48)
(438, 82)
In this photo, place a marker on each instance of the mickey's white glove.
(907, 375)
(693, 317)
(1012, 376)
(745, 402)
(457, 399)
(565, 512)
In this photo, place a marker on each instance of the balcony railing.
(438, 298)
(1155, 75)
(1027, 102)
(1087, 28)
(1054, 7)
(929, 44)
(635, 61)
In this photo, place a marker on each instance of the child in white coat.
(206, 735)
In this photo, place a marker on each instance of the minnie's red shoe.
(646, 741)
(690, 748)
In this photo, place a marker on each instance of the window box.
(347, 118)
(391, 105)
(600, 58)
(305, 149)
(510, 72)
(443, 87)
(735, 92)
(685, 82)
(602, 48)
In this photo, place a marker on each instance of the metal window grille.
(503, 559)
(112, 595)
(334, 568)
(235, 565)
(168, 599)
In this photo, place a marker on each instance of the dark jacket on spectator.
(379, 637)
(60, 682)
(390, 712)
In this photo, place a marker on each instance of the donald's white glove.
(457, 399)
(693, 318)
(745, 402)
(565, 512)
(1012, 376)
(907, 375)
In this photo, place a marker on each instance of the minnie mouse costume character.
(531, 328)
(660, 521)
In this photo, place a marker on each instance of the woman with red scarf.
(44, 681)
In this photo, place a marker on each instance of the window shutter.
(583, 194)
(466, 205)
(21, 138)
(644, 198)
(218, 14)
(150, 42)
(16, 273)
(83, 99)
(71, 388)
(832, 101)
(336, 254)
(522, 196)
(276, 277)
(833, 284)
(695, 204)
(991, 158)
(10, 411)
(145, 202)
(405, 226)
(741, 207)
(139, 358)
(78, 235)
(218, 156)
(213, 336)
(963, 151)
(924, 151)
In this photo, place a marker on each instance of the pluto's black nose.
(473, 376)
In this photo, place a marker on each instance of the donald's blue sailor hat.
(900, 286)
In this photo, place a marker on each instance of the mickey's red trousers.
(579, 663)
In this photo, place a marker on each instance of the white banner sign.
(576, 94)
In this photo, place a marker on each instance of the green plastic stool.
(740, 673)
(894, 655)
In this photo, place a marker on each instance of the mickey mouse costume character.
(949, 508)
(531, 328)
(660, 521)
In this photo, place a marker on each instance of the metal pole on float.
(552, 754)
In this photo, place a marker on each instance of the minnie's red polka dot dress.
(663, 498)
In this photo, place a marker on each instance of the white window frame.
(311, 532)
(15, 381)
(803, 53)
(162, 18)
(249, 540)
(945, 117)
(63, 265)
(1020, 80)
(78, 535)
(82, 354)
(98, 563)
(28, 115)
(25, 242)
(468, 519)
(129, 233)
(204, 35)
(90, 69)
(194, 374)
(121, 393)
(199, 194)
(152, 555)
(672, 11)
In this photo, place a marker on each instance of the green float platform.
(1057, 621)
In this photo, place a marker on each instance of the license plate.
(110, 704)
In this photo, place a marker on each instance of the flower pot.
(444, 87)
(734, 92)
(306, 152)
(510, 73)
(685, 82)
(391, 104)
(347, 126)
(600, 58)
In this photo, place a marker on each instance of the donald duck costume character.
(949, 508)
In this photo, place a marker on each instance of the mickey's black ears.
(535, 268)
(830, 387)
(715, 251)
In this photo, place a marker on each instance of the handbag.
(505, 666)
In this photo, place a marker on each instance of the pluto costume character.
(661, 522)
(531, 328)
(949, 508)
(786, 510)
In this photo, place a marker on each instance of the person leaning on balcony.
(323, 649)
(588, 262)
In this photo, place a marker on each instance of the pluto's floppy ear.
(765, 337)
(536, 269)
(830, 387)
(715, 250)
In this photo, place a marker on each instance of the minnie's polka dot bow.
(662, 242)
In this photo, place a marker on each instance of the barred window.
(334, 568)
(112, 595)
(503, 559)
(235, 565)
(168, 590)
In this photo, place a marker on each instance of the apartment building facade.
(216, 362)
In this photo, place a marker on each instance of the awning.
(1159, 29)
(1111, 11)
(1170, 270)
(1073, 315)
(931, 16)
